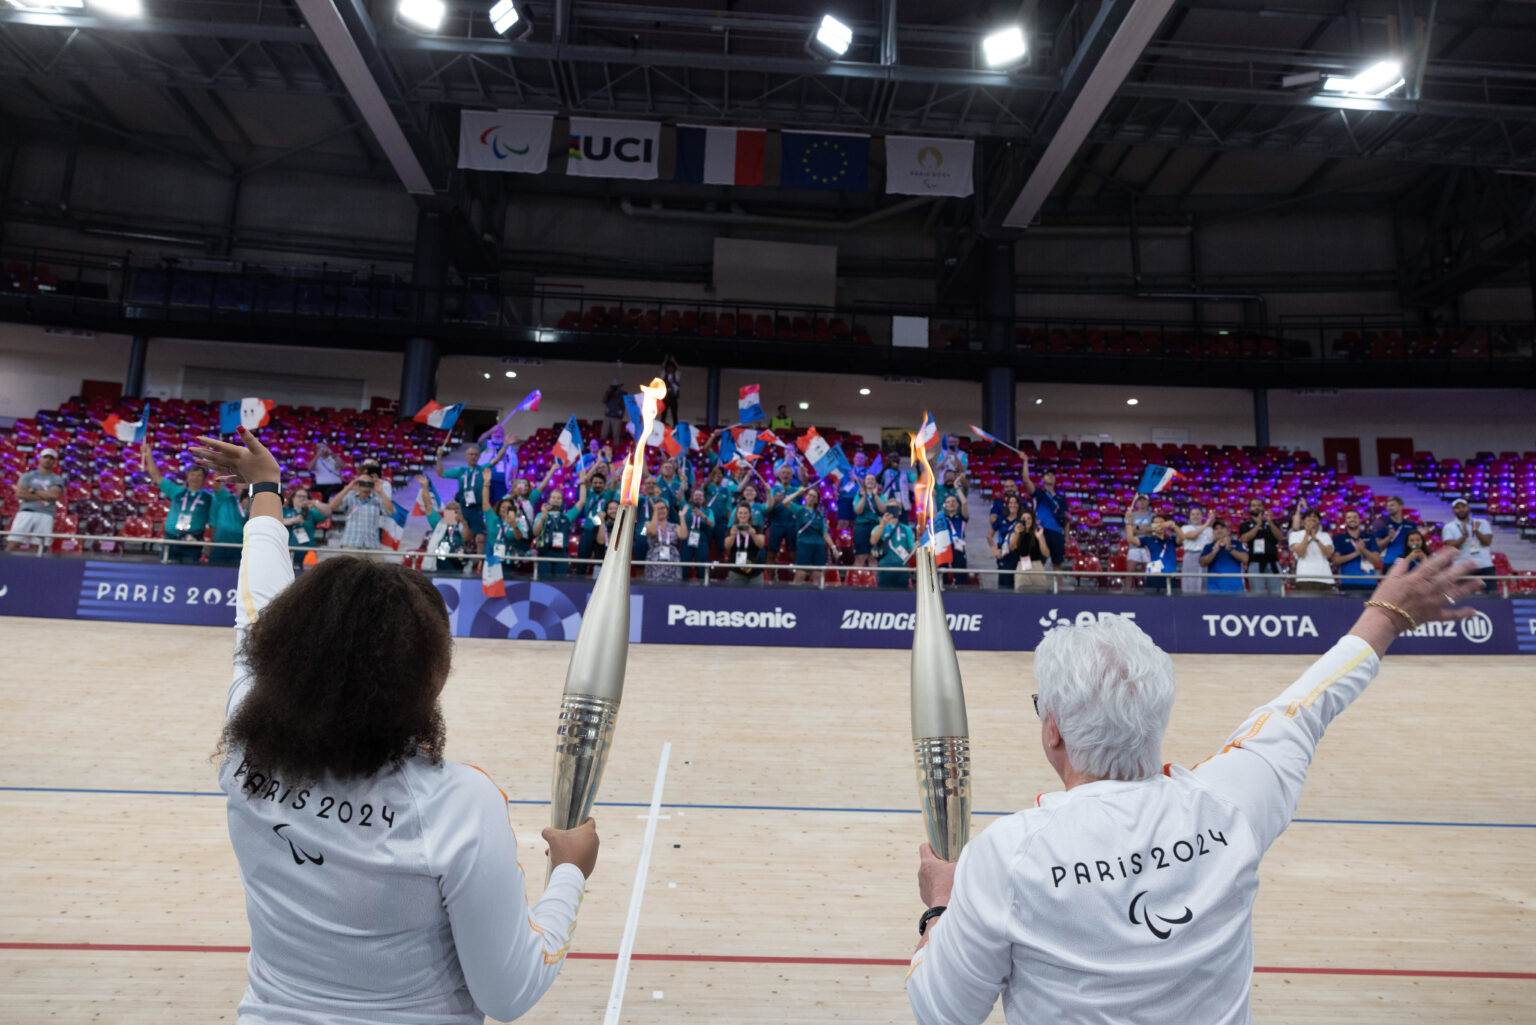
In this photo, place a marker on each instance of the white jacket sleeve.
(956, 978)
(1263, 765)
(265, 570)
(509, 954)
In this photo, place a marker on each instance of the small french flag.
(938, 539)
(1156, 478)
(773, 439)
(748, 406)
(531, 402)
(247, 413)
(688, 437)
(422, 506)
(928, 433)
(492, 583)
(392, 528)
(116, 427)
(825, 460)
(441, 417)
(568, 445)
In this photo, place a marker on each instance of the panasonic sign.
(778, 619)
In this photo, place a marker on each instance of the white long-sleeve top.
(1132, 901)
(395, 899)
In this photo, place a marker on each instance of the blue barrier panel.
(837, 617)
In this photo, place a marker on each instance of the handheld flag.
(392, 528)
(748, 406)
(984, 436)
(116, 427)
(568, 445)
(670, 444)
(747, 442)
(636, 421)
(492, 583)
(878, 465)
(928, 433)
(937, 537)
(530, 402)
(688, 437)
(773, 439)
(1156, 478)
(441, 417)
(824, 459)
(731, 455)
(247, 413)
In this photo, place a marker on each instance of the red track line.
(189, 948)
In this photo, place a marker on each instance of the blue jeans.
(1272, 586)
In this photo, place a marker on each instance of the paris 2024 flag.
(247, 413)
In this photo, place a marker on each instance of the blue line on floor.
(781, 807)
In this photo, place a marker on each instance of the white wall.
(41, 371)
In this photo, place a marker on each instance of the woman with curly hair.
(381, 879)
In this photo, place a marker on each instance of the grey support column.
(997, 316)
(712, 398)
(418, 371)
(133, 381)
(1261, 417)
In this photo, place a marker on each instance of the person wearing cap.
(613, 411)
(191, 508)
(38, 491)
(1471, 537)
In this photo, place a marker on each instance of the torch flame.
(634, 466)
(922, 490)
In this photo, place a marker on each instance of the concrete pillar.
(996, 308)
(133, 381)
(712, 397)
(1261, 417)
(418, 371)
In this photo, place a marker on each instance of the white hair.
(1110, 690)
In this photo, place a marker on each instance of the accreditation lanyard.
(187, 506)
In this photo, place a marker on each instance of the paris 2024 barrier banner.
(838, 617)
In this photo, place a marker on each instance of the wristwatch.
(270, 487)
(928, 916)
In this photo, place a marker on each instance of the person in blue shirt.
(894, 544)
(1000, 503)
(1392, 535)
(1052, 512)
(1162, 548)
(1225, 554)
(954, 517)
(1356, 556)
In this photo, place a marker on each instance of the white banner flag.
(915, 166)
(600, 148)
(496, 140)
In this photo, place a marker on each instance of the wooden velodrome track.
(782, 883)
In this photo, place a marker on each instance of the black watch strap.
(928, 916)
(261, 486)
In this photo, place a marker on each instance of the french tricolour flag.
(928, 433)
(748, 406)
(773, 439)
(1156, 478)
(568, 445)
(682, 438)
(530, 402)
(825, 460)
(441, 417)
(491, 580)
(247, 413)
(116, 427)
(937, 537)
(392, 528)
(720, 156)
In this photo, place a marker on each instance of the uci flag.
(441, 417)
(247, 413)
(1155, 479)
(568, 445)
(116, 427)
(748, 406)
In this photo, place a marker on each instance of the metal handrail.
(1055, 577)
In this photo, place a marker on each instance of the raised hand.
(246, 463)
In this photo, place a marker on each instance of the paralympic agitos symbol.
(1161, 934)
(496, 145)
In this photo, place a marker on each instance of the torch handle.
(944, 784)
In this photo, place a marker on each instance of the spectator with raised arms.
(472, 479)
(867, 509)
(191, 507)
(1159, 544)
(1052, 511)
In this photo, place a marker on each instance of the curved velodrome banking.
(893, 962)
(781, 807)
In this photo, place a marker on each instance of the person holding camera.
(365, 505)
(1160, 542)
(894, 544)
(1263, 538)
(1224, 555)
(744, 544)
(381, 879)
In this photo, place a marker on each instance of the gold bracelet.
(1393, 608)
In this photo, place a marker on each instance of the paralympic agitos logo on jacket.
(1161, 926)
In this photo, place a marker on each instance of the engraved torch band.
(944, 782)
(582, 739)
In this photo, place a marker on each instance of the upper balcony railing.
(231, 293)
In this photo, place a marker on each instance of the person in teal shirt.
(590, 503)
(474, 483)
(783, 517)
(894, 544)
(696, 528)
(191, 508)
(720, 496)
(759, 510)
(302, 515)
(228, 520)
(552, 530)
(674, 488)
(866, 514)
(812, 538)
(953, 484)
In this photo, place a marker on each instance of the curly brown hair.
(347, 665)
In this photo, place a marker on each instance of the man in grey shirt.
(38, 490)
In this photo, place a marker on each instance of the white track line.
(627, 944)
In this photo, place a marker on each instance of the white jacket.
(1132, 901)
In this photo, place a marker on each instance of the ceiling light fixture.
(1132, 402)
(1376, 81)
(511, 373)
(863, 391)
(506, 17)
(1004, 47)
(118, 8)
(486, 376)
(831, 38)
(424, 15)
(805, 405)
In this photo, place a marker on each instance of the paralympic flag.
(441, 417)
(116, 427)
(825, 460)
(720, 155)
(1156, 478)
(499, 140)
(748, 406)
(568, 445)
(247, 413)
(928, 433)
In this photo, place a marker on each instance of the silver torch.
(594, 683)
(941, 741)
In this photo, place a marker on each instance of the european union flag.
(825, 160)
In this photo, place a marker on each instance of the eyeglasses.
(1036, 699)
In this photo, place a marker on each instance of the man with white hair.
(1129, 896)
(38, 492)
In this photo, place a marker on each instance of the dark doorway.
(1389, 450)
(1342, 454)
(108, 390)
